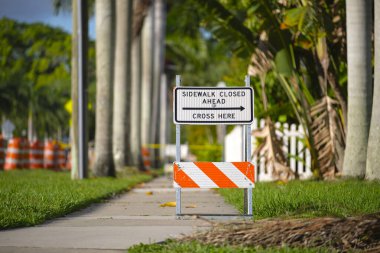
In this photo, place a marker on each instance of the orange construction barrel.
(14, 154)
(24, 153)
(61, 156)
(50, 155)
(3, 149)
(146, 158)
(36, 155)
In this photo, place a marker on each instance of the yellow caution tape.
(193, 147)
(158, 146)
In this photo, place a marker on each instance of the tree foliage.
(303, 45)
(34, 75)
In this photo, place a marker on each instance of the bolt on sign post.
(214, 106)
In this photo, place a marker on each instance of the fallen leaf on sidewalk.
(149, 193)
(168, 204)
(191, 206)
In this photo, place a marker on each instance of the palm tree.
(373, 150)
(139, 12)
(74, 131)
(135, 100)
(158, 67)
(359, 17)
(74, 93)
(147, 77)
(104, 13)
(122, 85)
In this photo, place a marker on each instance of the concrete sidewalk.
(115, 225)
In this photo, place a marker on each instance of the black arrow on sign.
(241, 108)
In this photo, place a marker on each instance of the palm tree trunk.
(74, 93)
(135, 100)
(164, 117)
(104, 11)
(373, 150)
(30, 125)
(122, 85)
(140, 10)
(359, 17)
(147, 77)
(159, 38)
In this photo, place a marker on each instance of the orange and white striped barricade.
(145, 153)
(50, 160)
(3, 149)
(61, 156)
(24, 153)
(36, 155)
(214, 175)
(13, 159)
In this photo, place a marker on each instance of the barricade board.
(213, 105)
(213, 175)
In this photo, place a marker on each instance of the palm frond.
(272, 151)
(329, 136)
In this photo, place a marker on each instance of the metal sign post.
(247, 157)
(178, 153)
(214, 106)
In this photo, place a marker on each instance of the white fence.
(170, 151)
(298, 156)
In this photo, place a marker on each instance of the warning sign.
(213, 106)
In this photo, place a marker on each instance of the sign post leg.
(178, 201)
(247, 140)
(249, 190)
(178, 154)
(244, 145)
(178, 159)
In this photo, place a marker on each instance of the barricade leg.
(249, 202)
(248, 207)
(178, 201)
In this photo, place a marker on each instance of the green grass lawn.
(295, 199)
(29, 197)
(310, 198)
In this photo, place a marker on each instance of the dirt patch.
(342, 234)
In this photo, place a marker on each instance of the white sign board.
(213, 106)
(7, 129)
